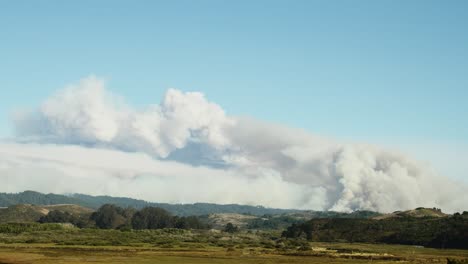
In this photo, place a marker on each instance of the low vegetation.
(55, 243)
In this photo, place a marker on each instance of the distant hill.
(218, 221)
(36, 198)
(24, 213)
(332, 214)
(94, 202)
(31, 197)
(19, 214)
(418, 212)
(182, 209)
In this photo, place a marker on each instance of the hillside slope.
(24, 213)
(420, 212)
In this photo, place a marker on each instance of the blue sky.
(387, 72)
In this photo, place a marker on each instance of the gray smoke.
(186, 149)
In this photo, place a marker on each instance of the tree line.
(438, 232)
(110, 216)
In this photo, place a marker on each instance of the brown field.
(320, 253)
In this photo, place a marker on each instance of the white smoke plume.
(86, 114)
(186, 149)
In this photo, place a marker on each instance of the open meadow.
(73, 245)
(320, 253)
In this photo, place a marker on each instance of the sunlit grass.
(73, 245)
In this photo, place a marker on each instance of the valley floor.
(320, 253)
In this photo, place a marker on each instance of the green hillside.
(20, 213)
(25, 213)
(31, 197)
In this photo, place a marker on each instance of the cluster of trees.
(439, 232)
(275, 222)
(57, 216)
(110, 216)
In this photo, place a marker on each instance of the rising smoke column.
(264, 163)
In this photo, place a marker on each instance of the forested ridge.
(440, 232)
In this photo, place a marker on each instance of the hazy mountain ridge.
(94, 202)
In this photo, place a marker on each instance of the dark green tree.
(110, 216)
(230, 228)
(57, 216)
(152, 218)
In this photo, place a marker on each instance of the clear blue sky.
(386, 71)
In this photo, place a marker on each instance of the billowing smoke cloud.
(86, 114)
(186, 149)
(71, 169)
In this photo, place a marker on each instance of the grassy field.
(53, 243)
(319, 253)
(44, 254)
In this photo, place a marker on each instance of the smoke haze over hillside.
(187, 149)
